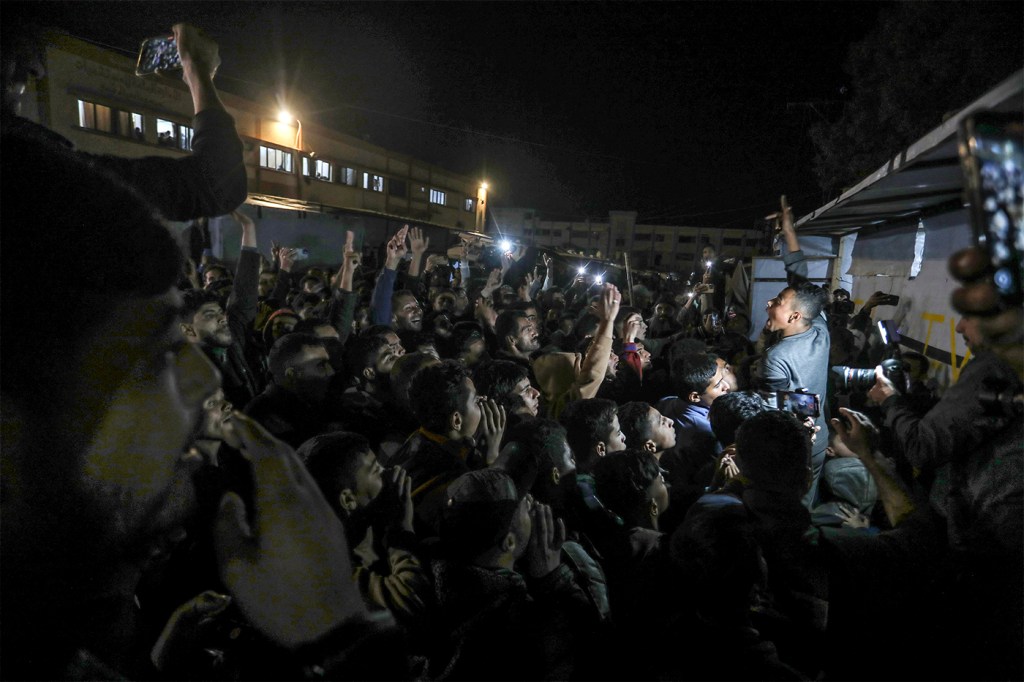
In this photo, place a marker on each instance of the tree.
(923, 61)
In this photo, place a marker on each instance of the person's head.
(537, 456)
(592, 429)
(515, 333)
(699, 379)
(311, 284)
(203, 320)
(319, 327)
(773, 450)
(406, 313)
(305, 304)
(731, 410)
(280, 322)
(586, 326)
(508, 384)
(461, 300)
(708, 253)
(215, 273)
(402, 372)
(530, 308)
(840, 295)
(484, 520)
(665, 309)
(630, 483)
(443, 301)
(92, 436)
(369, 360)
(467, 344)
(268, 280)
(625, 318)
(970, 328)
(795, 308)
(345, 468)
(217, 412)
(444, 400)
(727, 373)
(299, 363)
(645, 427)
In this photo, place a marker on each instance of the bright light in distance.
(598, 279)
(483, 185)
(581, 270)
(505, 245)
(284, 116)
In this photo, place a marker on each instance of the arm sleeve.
(209, 182)
(282, 287)
(774, 376)
(245, 292)
(380, 300)
(594, 366)
(948, 430)
(342, 311)
(796, 267)
(405, 590)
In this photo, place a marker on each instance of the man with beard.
(292, 405)
(92, 439)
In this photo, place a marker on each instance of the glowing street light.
(483, 185)
(284, 116)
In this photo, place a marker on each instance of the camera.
(888, 299)
(842, 307)
(856, 378)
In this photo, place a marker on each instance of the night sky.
(691, 113)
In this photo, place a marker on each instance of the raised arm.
(245, 293)
(380, 300)
(418, 245)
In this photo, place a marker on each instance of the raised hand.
(852, 518)
(609, 303)
(543, 554)
(418, 244)
(492, 427)
(289, 570)
(526, 286)
(855, 435)
(396, 249)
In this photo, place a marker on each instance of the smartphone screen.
(157, 54)
(992, 157)
(800, 404)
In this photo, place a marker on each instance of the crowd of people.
(449, 468)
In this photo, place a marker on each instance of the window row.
(132, 125)
(325, 171)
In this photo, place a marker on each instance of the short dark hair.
(774, 451)
(693, 372)
(533, 447)
(587, 422)
(586, 325)
(635, 423)
(402, 373)
(218, 266)
(286, 349)
(194, 299)
(332, 460)
(809, 299)
(496, 379)
(378, 330)
(436, 392)
(507, 324)
(396, 295)
(732, 409)
(622, 480)
(361, 352)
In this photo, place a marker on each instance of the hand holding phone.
(157, 54)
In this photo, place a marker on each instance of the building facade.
(310, 184)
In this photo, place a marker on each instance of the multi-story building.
(661, 248)
(309, 183)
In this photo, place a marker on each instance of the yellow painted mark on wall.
(931, 318)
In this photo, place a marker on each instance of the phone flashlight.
(708, 264)
(690, 294)
(581, 270)
(598, 279)
(505, 245)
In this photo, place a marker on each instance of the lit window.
(437, 197)
(305, 166)
(347, 176)
(166, 132)
(324, 171)
(470, 204)
(373, 182)
(95, 116)
(275, 159)
(130, 124)
(185, 138)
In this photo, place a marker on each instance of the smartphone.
(992, 157)
(157, 54)
(889, 332)
(301, 254)
(800, 404)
